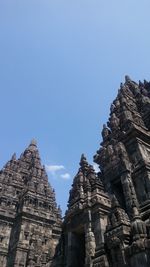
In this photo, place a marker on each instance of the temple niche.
(107, 222)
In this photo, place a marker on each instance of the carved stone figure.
(105, 132)
(90, 239)
(114, 122)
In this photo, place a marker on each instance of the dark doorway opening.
(79, 249)
(118, 191)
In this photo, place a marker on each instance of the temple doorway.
(79, 249)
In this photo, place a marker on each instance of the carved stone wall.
(30, 222)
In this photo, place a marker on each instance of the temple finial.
(127, 78)
(33, 145)
(83, 160)
(33, 142)
(83, 163)
(13, 156)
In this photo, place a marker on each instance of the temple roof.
(86, 180)
(130, 109)
(28, 172)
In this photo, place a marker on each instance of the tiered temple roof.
(30, 220)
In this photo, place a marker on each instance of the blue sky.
(61, 63)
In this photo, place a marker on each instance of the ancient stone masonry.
(85, 221)
(108, 218)
(30, 222)
(107, 223)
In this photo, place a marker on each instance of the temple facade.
(107, 222)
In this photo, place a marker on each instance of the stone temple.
(30, 222)
(107, 223)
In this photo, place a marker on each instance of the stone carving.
(138, 227)
(114, 122)
(90, 249)
(105, 132)
(90, 245)
(21, 198)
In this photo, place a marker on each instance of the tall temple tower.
(30, 222)
(124, 160)
(107, 223)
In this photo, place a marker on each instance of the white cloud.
(65, 176)
(96, 168)
(54, 168)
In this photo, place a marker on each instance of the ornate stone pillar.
(90, 246)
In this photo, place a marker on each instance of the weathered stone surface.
(30, 222)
